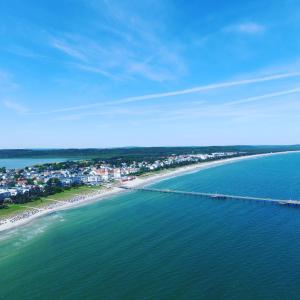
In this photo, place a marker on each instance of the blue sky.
(86, 73)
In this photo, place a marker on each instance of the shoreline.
(84, 199)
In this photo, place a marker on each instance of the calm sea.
(143, 245)
(14, 163)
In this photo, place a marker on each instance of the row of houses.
(13, 182)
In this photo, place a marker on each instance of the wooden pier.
(217, 196)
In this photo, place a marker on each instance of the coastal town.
(27, 184)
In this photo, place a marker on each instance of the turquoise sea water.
(144, 245)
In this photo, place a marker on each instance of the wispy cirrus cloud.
(247, 28)
(197, 89)
(67, 49)
(15, 106)
(119, 59)
(96, 70)
(238, 113)
(24, 52)
(7, 82)
(265, 96)
(111, 113)
(127, 46)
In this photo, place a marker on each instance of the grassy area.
(13, 209)
(67, 194)
(10, 210)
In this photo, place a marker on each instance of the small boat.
(219, 197)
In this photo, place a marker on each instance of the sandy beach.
(33, 213)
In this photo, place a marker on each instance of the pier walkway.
(217, 196)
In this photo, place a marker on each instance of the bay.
(143, 245)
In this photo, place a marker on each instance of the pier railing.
(217, 196)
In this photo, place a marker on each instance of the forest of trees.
(137, 153)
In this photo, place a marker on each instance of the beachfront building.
(92, 179)
(4, 194)
(117, 173)
(102, 172)
(13, 192)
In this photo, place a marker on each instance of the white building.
(117, 173)
(4, 194)
(91, 179)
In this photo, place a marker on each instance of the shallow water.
(144, 245)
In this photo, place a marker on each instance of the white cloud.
(194, 90)
(131, 45)
(248, 28)
(117, 58)
(265, 96)
(95, 70)
(67, 49)
(6, 82)
(15, 106)
(151, 72)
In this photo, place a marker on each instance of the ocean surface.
(143, 245)
(14, 163)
